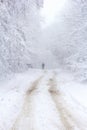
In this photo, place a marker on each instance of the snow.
(66, 38)
(54, 98)
(76, 90)
(23, 43)
(12, 96)
(40, 111)
(19, 30)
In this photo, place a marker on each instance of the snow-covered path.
(41, 101)
(45, 108)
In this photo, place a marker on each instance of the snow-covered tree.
(67, 37)
(19, 28)
(72, 37)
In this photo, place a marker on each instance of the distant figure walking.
(43, 65)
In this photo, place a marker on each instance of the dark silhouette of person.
(43, 65)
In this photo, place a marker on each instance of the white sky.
(51, 7)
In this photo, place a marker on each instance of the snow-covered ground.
(42, 100)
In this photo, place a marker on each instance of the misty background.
(33, 32)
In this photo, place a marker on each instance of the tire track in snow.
(25, 116)
(66, 117)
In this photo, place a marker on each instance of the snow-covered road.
(46, 107)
